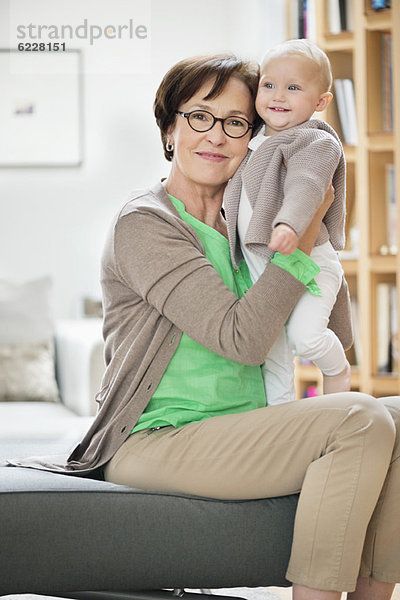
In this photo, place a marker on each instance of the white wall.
(54, 221)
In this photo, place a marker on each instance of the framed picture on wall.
(41, 108)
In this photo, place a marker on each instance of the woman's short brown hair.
(185, 78)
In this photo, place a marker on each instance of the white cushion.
(25, 312)
(27, 372)
(41, 420)
(27, 369)
(80, 363)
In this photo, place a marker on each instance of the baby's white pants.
(306, 332)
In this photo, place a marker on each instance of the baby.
(294, 160)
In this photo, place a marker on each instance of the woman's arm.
(158, 258)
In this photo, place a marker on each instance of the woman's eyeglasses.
(202, 120)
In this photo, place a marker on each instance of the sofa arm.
(79, 363)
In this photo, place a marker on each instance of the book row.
(346, 105)
(387, 328)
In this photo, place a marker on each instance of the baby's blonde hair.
(306, 48)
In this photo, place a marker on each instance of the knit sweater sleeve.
(160, 261)
(311, 163)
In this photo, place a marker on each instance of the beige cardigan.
(157, 283)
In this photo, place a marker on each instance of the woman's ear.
(170, 134)
(323, 101)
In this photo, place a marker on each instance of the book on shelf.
(311, 25)
(387, 83)
(312, 391)
(383, 326)
(387, 328)
(334, 17)
(346, 105)
(394, 330)
(380, 4)
(340, 16)
(391, 210)
(302, 19)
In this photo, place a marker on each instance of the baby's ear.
(323, 101)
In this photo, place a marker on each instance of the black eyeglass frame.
(215, 119)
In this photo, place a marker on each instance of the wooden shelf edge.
(383, 264)
(379, 21)
(386, 384)
(350, 267)
(341, 41)
(381, 142)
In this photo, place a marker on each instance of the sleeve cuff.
(301, 266)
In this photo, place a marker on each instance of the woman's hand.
(309, 238)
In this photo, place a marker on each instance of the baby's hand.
(283, 239)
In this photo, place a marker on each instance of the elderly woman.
(183, 405)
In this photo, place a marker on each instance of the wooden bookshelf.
(357, 55)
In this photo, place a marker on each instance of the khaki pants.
(339, 451)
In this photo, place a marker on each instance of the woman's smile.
(212, 156)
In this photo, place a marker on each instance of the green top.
(197, 383)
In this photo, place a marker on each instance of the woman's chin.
(213, 176)
(213, 182)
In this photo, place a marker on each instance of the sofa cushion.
(27, 372)
(41, 421)
(62, 533)
(26, 342)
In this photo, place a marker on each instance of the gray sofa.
(65, 534)
(86, 538)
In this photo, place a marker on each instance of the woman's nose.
(216, 134)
